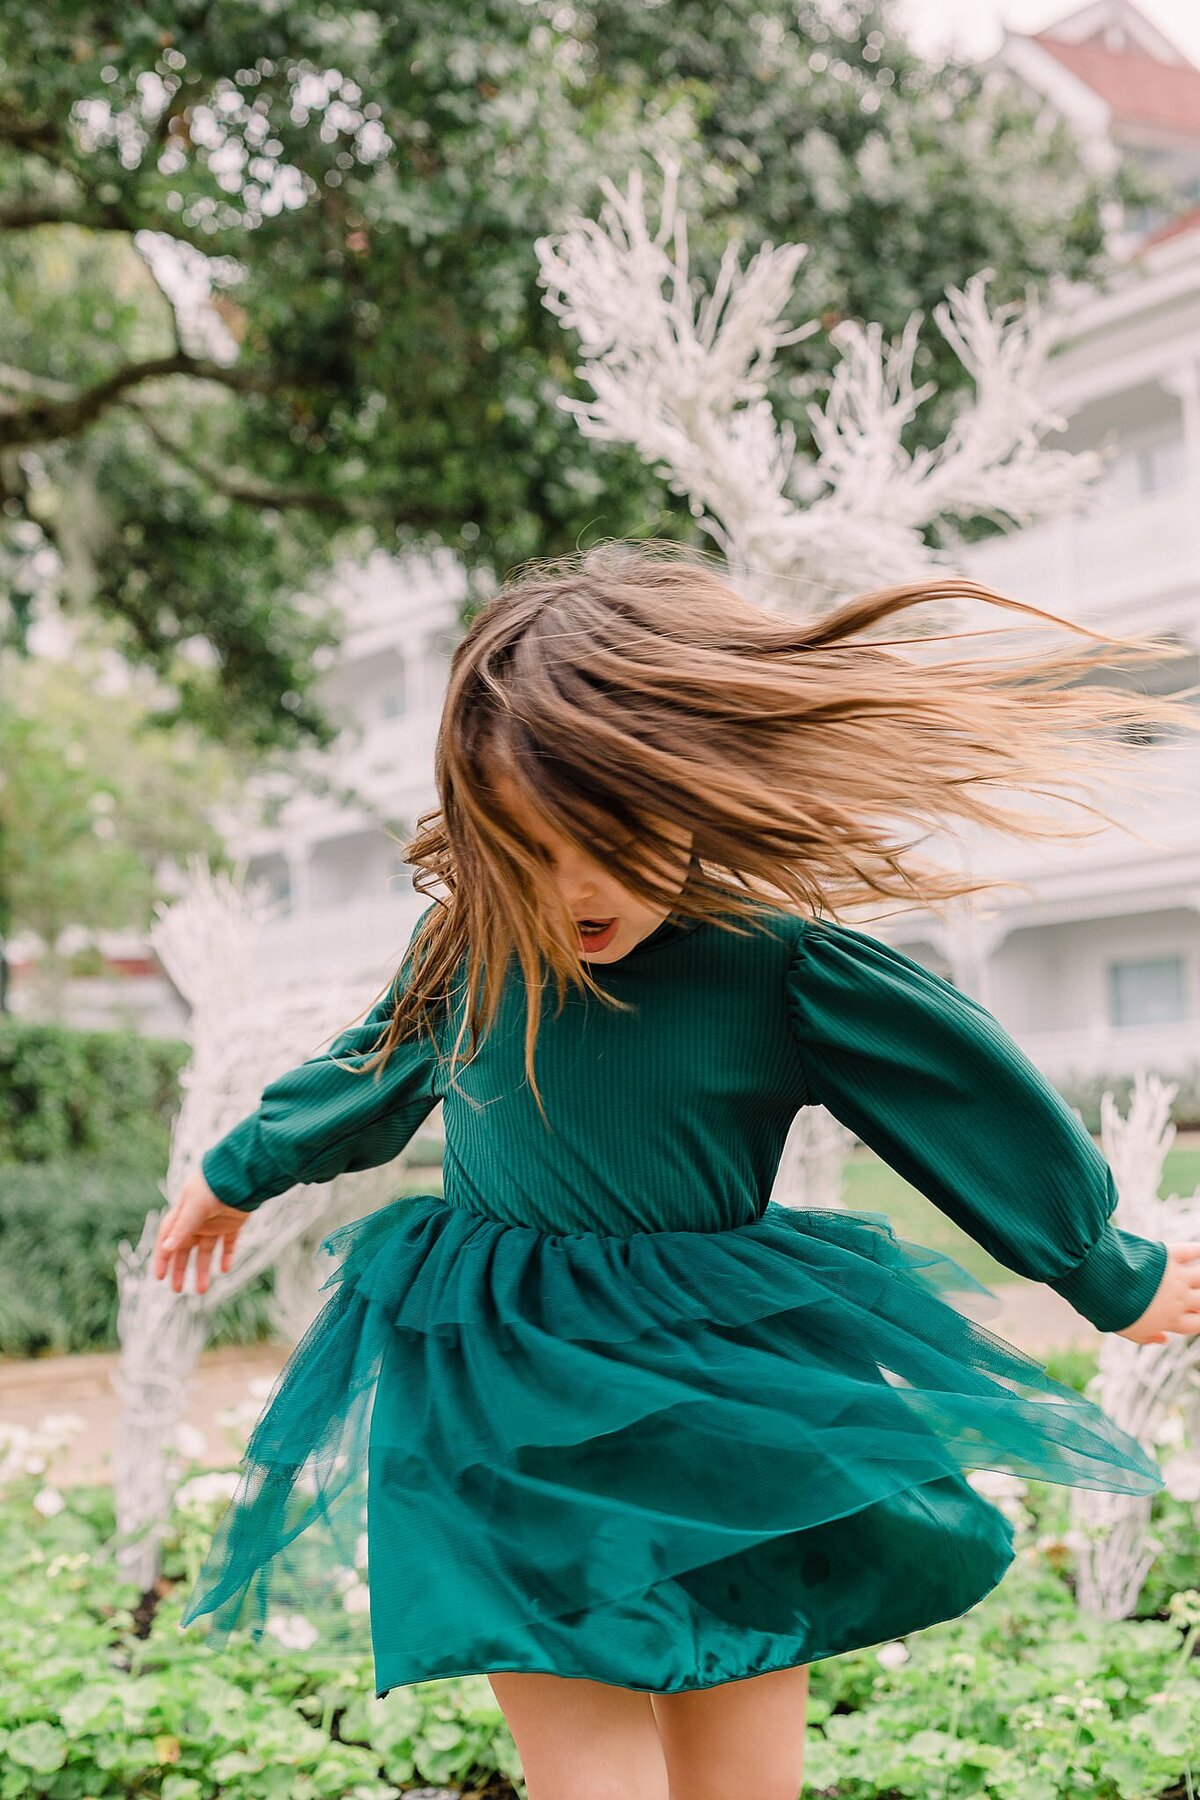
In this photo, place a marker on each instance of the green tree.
(94, 799)
(359, 187)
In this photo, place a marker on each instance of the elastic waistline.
(774, 1212)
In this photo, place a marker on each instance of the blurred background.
(281, 404)
(283, 398)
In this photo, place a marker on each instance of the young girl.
(630, 1439)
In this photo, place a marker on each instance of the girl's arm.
(931, 1081)
(321, 1119)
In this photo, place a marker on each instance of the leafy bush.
(65, 1091)
(90, 1707)
(60, 1225)
(1023, 1698)
(1085, 1092)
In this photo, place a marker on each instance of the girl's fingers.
(204, 1257)
(162, 1244)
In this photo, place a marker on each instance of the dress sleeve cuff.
(237, 1172)
(1117, 1279)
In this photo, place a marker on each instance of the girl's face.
(590, 895)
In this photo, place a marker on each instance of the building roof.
(1139, 89)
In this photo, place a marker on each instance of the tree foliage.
(359, 188)
(94, 799)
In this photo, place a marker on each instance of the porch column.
(296, 856)
(970, 943)
(1184, 383)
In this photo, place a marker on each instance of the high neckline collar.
(675, 925)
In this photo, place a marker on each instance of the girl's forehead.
(519, 808)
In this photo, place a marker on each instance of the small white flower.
(892, 1656)
(1020, 1516)
(997, 1484)
(60, 1564)
(1181, 1476)
(360, 1551)
(204, 1490)
(60, 1425)
(35, 1465)
(261, 1386)
(357, 1599)
(293, 1631)
(190, 1442)
(242, 1417)
(345, 1578)
(1170, 1428)
(48, 1501)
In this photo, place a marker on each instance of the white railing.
(1114, 1049)
(366, 935)
(1099, 558)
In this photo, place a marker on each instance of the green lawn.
(872, 1186)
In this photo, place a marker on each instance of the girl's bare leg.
(583, 1740)
(743, 1740)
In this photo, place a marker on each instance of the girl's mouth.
(596, 934)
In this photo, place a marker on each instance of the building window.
(1150, 991)
(1146, 465)
(275, 875)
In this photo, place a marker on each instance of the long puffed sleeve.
(321, 1119)
(931, 1081)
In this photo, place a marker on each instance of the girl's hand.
(1176, 1305)
(197, 1221)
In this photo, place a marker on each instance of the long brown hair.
(631, 683)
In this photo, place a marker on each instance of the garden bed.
(1024, 1698)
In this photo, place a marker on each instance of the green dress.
(605, 1410)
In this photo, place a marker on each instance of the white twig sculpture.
(1138, 1385)
(813, 1163)
(685, 385)
(242, 1036)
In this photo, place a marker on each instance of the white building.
(1097, 970)
(333, 861)
(1124, 88)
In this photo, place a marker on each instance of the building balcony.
(1103, 1049)
(352, 938)
(1086, 563)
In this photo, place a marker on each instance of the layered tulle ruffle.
(662, 1460)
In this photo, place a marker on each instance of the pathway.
(1034, 1318)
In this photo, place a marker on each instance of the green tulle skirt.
(664, 1460)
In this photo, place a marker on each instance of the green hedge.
(60, 1225)
(63, 1092)
(1086, 1092)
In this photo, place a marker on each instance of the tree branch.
(29, 212)
(29, 134)
(265, 493)
(47, 418)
